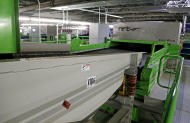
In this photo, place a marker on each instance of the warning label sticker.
(91, 81)
(85, 67)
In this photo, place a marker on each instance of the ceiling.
(130, 10)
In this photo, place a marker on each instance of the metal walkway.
(182, 113)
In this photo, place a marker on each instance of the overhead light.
(2, 24)
(82, 9)
(178, 4)
(36, 24)
(65, 8)
(111, 26)
(49, 20)
(80, 23)
(79, 28)
(33, 30)
(60, 8)
(24, 18)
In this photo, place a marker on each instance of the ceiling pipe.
(63, 12)
(184, 23)
(49, 20)
(106, 17)
(91, 3)
(99, 15)
(86, 10)
(67, 16)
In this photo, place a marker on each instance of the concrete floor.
(182, 113)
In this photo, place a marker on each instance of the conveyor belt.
(105, 51)
(67, 53)
(34, 89)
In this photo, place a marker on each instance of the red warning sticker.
(85, 67)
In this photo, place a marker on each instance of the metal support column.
(39, 21)
(184, 23)
(131, 74)
(106, 16)
(99, 16)
(57, 33)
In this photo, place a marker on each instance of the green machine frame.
(150, 74)
(150, 70)
(155, 63)
(10, 43)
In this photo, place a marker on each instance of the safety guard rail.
(171, 99)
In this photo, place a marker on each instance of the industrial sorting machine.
(110, 80)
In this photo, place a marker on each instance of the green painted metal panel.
(77, 47)
(173, 49)
(9, 27)
(149, 71)
(135, 114)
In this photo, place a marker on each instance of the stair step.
(151, 104)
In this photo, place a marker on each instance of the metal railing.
(171, 99)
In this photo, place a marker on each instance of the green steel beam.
(83, 36)
(9, 27)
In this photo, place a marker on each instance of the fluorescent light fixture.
(110, 26)
(36, 24)
(43, 24)
(65, 8)
(79, 28)
(33, 30)
(2, 24)
(24, 18)
(49, 20)
(178, 3)
(60, 8)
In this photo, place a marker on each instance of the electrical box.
(98, 33)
